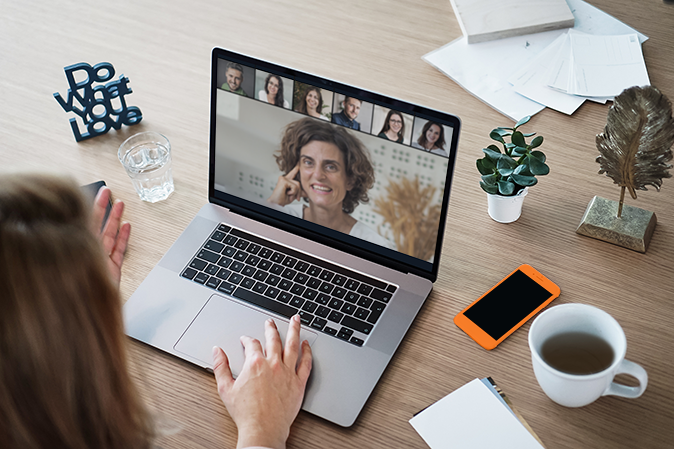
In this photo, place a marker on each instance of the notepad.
(474, 416)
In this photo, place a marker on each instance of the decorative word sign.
(98, 104)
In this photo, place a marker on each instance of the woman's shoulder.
(363, 231)
(382, 134)
(262, 95)
(418, 145)
(440, 151)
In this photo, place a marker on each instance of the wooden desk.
(164, 49)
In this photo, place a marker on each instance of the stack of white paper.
(474, 416)
(521, 75)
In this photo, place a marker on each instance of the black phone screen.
(507, 304)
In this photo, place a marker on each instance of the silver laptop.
(324, 200)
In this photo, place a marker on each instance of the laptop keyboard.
(329, 298)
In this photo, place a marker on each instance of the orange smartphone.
(506, 306)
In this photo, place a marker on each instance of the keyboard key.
(339, 280)
(381, 295)
(214, 246)
(348, 309)
(249, 271)
(218, 236)
(260, 287)
(361, 313)
(336, 303)
(252, 260)
(288, 273)
(356, 341)
(224, 228)
(310, 294)
(326, 275)
(211, 269)
(326, 287)
(329, 330)
(323, 299)
(358, 325)
(305, 317)
(323, 312)
(235, 278)
(253, 248)
(198, 264)
(285, 297)
(276, 269)
(289, 262)
(264, 265)
(296, 302)
(213, 282)
(230, 240)
(273, 280)
(241, 244)
(201, 278)
(339, 292)
(377, 309)
(277, 257)
(297, 289)
(223, 274)
(313, 283)
(237, 266)
(229, 251)
(336, 316)
(272, 292)
(248, 282)
(259, 275)
(225, 261)
(265, 253)
(345, 333)
(208, 255)
(364, 289)
(319, 323)
(352, 297)
(352, 284)
(364, 302)
(301, 278)
(391, 288)
(285, 285)
(264, 302)
(189, 273)
(313, 270)
(309, 306)
(226, 287)
(241, 255)
(302, 266)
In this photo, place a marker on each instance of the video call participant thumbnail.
(273, 91)
(327, 173)
(394, 127)
(234, 78)
(432, 139)
(347, 117)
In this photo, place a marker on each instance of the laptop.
(324, 199)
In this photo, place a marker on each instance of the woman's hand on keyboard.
(114, 237)
(266, 397)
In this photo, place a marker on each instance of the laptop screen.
(347, 167)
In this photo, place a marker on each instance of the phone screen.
(507, 304)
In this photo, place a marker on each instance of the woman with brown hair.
(273, 91)
(63, 372)
(432, 139)
(394, 127)
(328, 168)
(311, 103)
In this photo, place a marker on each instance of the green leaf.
(519, 151)
(495, 148)
(491, 154)
(496, 136)
(505, 172)
(536, 142)
(522, 121)
(503, 132)
(506, 188)
(524, 180)
(528, 134)
(518, 139)
(538, 155)
(489, 189)
(523, 170)
(490, 179)
(483, 166)
(537, 167)
(506, 162)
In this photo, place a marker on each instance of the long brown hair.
(387, 126)
(440, 143)
(63, 370)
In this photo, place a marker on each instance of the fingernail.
(296, 317)
(215, 351)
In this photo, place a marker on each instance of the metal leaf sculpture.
(635, 144)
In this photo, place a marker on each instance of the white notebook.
(474, 416)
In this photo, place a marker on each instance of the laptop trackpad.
(220, 323)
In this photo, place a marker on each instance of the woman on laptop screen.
(327, 172)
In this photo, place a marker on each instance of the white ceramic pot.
(506, 209)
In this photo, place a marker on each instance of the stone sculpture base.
(633, 230)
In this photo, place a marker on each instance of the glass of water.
(147, 159)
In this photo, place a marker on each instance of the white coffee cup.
(572, 390)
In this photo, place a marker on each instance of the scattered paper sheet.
(472, 417)
(484, 69)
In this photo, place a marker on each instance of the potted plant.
(508, 174)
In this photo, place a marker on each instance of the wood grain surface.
(164, 48)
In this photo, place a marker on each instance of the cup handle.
(631, 368)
